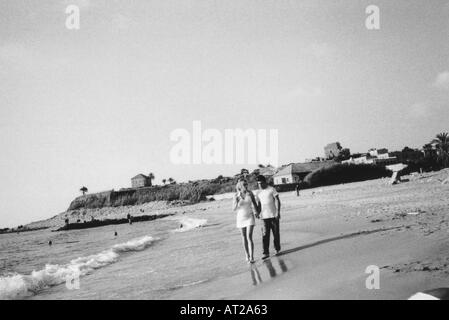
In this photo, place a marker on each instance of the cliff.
(185, 193)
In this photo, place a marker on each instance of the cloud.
(442, 80)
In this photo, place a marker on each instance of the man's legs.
(266, 236)
(276, 234)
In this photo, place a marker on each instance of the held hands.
(257, 214)
(237, 197)
(256, 211)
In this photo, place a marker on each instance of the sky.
(95, 106)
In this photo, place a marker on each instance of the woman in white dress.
(243, 203)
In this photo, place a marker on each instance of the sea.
(145, 260)
(194, 254)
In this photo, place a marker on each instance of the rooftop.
(140, 175)
(305, 167)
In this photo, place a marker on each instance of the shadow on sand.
(344, 236)
(272, 272)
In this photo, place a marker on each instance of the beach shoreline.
(329, 237)
(402, 230)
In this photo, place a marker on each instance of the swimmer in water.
(115, 234)
(50, 243)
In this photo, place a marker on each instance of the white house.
(296, 172)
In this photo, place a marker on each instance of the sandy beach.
(329, 237)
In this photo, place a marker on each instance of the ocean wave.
(189, 223)
(16, 286)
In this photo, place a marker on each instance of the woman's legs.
(249, 236)
(245, 242)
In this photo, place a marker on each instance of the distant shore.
(106, 222)
(24, 229)
(111, 215)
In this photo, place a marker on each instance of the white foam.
(189, 223)
(222, 196)
(19, 286)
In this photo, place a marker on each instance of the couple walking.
(263, 204)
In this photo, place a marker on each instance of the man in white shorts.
(270, 213)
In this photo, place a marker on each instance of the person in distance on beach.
(243, 203)
(268, 201)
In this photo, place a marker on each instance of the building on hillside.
(383, 157)
(374, 156)
(364, 159)
(140, 181)
(296, 172)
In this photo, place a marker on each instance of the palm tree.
(151, 178)
(164, 181)
(442, 141)
(84, 190)
(428, 150)
(442, 144)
